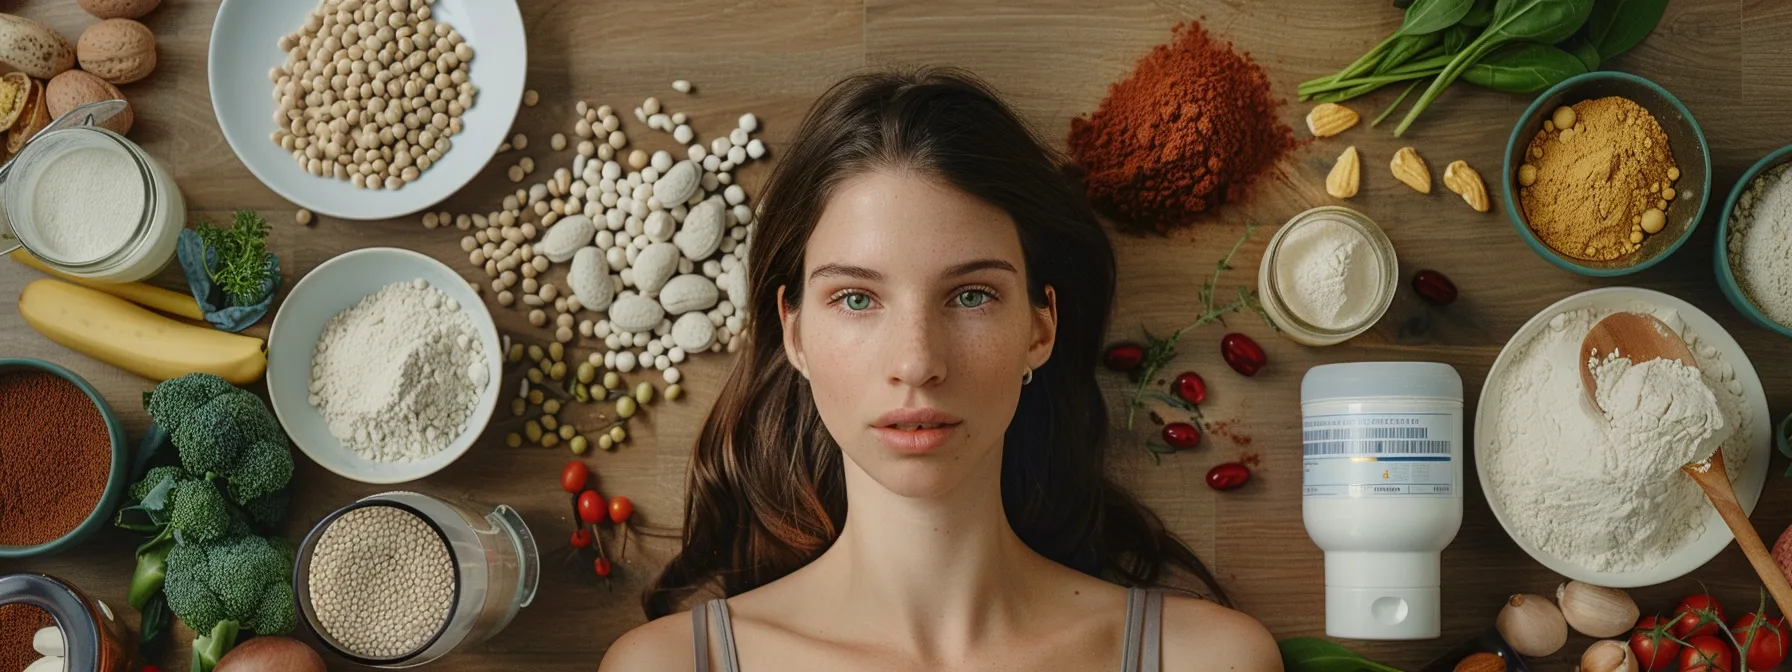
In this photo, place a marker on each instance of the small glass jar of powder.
(1328, 275)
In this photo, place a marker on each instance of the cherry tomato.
(1762, 640)
(1124, 357)
(1243, 354)
(1655, 650)
(1697, 615)
(1705, 653)
(621, 509)
(1228, 476)
(581, 538)
(602, 566)
(573, 477)
(1434, 288)
(1181, 435)
(591, 507)
(1190, 388)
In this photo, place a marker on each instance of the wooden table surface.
(1727, 60)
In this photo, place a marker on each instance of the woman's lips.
(915, 440)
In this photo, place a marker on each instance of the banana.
(133, 338)
(149, 296)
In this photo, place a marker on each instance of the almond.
(1329, 119)
(1345, 176)
(1464, 180)
(1411, 169)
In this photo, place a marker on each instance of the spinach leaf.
(1545, 21)
(1407, 47)
(1479, 15)
(1456, 37)
(1311, 654)
(1618, 25)
(1430, 16)
(1524, 67)
(1583, 50)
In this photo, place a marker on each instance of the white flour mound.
(397, 375)
(1604, 490)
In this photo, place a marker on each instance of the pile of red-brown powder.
(18, 623)
(55, 457)
(1191, 128)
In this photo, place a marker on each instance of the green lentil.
(545, 365)
(612, 380)
(516, 352)
(550, 440)
(532, 429)
(625, 407)
(567, 432)
(549, 422)
(514, 440)
(644, 393)
(535, 353)
(674, 392)
(580, 392)
(550, 406)
(517, 406)
(559, 370)
(557, 351)
(534, 376)
(587, 372)
(535, 397)
(604, 442)
(579, 445)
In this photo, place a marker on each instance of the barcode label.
(1348, 433)
(1376, 448)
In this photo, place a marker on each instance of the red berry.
(581, 538)
(1243, 354)
(1181, 435)
(1228, 476)
(591, 507)
(621, 509)
(1124, 357)
(573, 477)
(602, 566)
(1433, 287)
(1190, 387)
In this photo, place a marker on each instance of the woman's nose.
(917, 354)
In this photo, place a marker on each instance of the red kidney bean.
(1190, 388)
(1434, 288)
(1124, 357)
(1243, 354)
(1181, 435)
(1228, 476)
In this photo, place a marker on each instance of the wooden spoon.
(1643, 338)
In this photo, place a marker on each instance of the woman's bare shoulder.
(1201, 635)
(660, 645)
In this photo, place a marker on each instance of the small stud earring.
(1027, 378)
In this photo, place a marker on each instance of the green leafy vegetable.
(1618, 25)
(1526, 67)
(242, 250)
(210, 647)
(1311, 654)
(1583, 50)
(1457, 37)
(1422, 17)
(1479, 15)
(1546, 21)
(1405, 48)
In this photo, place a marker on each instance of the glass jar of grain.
(90, 203)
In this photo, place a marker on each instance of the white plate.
(245, 45)
(1748, 484)
(335, 286)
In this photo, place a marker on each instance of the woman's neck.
(937, 572)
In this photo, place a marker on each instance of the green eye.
(857, 302)
(973, 298)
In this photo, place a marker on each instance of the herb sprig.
(241, 270)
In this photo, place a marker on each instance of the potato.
(75, 88)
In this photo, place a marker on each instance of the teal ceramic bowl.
(115, 481)
(1726, 276)
(1685, 140)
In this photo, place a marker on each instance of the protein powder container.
(1381, 447)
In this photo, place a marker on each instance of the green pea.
(550, 440)
(518, 405)
(514, 440)
(644, 393)
(535, 397)
(674, 392)
(580, 392)
(612, 380)
(604, 442)
(545, 365)
(532, 429)
(587, 372)
(535, 353)
(559, 370)
(516, 353)
(557, 351)
(549, 422)
(550, 406)
(618, 434)
(534, 376)
(579, 445)
(625, 407)
(567, 432)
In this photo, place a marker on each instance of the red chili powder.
(55, 457)
(1191, 128)
(18, 622)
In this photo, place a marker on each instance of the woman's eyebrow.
(970, 267)
(845, 271)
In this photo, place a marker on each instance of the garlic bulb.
(1532, 625)
(1595, 611)
(1607, 655)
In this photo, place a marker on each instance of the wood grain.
(1727, 60)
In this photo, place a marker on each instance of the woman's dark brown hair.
(766, 491)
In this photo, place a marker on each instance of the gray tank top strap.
(1144, 631)
(700, 622)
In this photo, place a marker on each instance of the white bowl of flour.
(1550, 469)
(407, 374)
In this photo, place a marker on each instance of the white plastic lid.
(1357, 380)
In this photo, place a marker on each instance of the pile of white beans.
(615, 191)
(371, 91)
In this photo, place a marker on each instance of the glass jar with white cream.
(90, 203)
(1328, 275)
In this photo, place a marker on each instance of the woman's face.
(915, 329)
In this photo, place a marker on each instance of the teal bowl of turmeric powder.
(1606, 174)
(62, 459)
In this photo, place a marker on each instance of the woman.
(906, 471)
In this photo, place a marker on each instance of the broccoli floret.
(268, 510)
(172, 401)
(199, 511)
(234, 436)
(154, 478)
(244, 578)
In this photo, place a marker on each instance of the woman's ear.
(1045, 330)
(793, 341)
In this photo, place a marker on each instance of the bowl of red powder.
(62, 459)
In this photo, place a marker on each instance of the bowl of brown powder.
(62, 459)
(1606, 174)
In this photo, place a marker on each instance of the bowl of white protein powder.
(1754, 243)
(383, 365)
(1328, 275)
(1598, 495)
